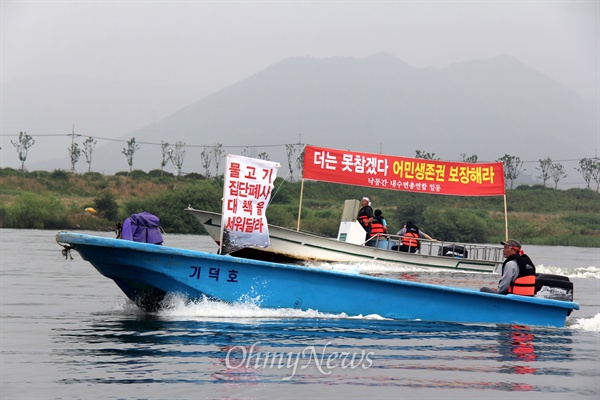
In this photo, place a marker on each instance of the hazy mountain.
(485, 107)
(545, 118)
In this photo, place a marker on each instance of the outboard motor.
(555, 287)
(454, 251)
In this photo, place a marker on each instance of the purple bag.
(142, 227)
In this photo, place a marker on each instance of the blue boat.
(147, 272)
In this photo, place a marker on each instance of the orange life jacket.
(377, 227)
(410, 239)
(524, 285)
(363, 216)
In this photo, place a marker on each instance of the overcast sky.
(208, 45)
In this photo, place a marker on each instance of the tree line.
(549, 171)
(93, 201)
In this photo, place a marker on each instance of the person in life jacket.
(378, 226)
(365, 216)
(410, 235)
(518, 272)
(410, 238)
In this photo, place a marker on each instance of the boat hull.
(288, 245)
(146, 272)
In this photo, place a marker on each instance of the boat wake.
(585, 324)
(178, 306)
(581, 272)
(386, 268)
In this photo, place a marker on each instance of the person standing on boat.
(518, 272)
(365, 216)
(410, 238)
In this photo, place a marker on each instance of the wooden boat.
(147, 272)
(288, 245)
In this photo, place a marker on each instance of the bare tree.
(593, 166)
(596, 174)
(88, 150)
(557, 172)
(590, 169)
(178, 156)
(166, 155)
(74, 154)
(300, 159)
(263, 156)
(206, 157)
(469, 159)
(22, 145)
(424, 155)
(132, 147)
(218, 154)
(513, 166)
(291, 150)
(545, 170)
(247, 152)
(586, 167)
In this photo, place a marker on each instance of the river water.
(69, 333)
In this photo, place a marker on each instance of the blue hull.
(146, 272)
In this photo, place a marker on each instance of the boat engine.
(453, 251)
(555, 287)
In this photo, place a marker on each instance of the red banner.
(402, 173)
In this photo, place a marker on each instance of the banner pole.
(505, 219)
(300, 206)
(221, 241)
(223, 200)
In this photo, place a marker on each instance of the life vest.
(524, 285)
(363, 216)
(411, 239)
(377, 227)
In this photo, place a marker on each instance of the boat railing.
(441, 248)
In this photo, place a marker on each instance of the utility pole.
(72, 144)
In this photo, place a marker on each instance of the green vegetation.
(58, 199)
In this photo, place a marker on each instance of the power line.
(154, 143)
(223, 146)
(58, 134)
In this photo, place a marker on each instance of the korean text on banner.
(401, 173)
(246, 194)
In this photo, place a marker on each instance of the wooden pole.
(300, 206)
(505, 219)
